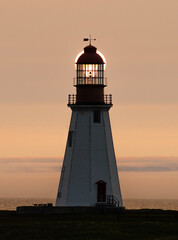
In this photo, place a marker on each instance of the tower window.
(96, 117)
(70, 136)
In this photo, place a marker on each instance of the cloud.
(148, 169)
(148, 164)
(52, 164)
(30, 160)
(30, 165)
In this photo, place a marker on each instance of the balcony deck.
(72, 100)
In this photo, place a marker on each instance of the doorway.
(101, 191)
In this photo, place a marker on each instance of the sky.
(39, 43)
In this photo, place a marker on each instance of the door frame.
(101, 191)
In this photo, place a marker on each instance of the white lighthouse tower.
(89, 175)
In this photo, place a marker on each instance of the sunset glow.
(99, 53)
(77, 57)
(104, 59)
(139, 40)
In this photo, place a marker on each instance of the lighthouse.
(89, 174)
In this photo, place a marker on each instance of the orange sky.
(39, 43)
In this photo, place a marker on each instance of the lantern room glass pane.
(90, 74)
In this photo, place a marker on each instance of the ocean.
(166, 204)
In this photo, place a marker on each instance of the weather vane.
(89, 39)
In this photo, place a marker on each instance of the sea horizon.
(10, 203)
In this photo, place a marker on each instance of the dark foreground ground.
(131, 224)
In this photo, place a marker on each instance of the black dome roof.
(90, 56)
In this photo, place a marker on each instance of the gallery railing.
(72, 99)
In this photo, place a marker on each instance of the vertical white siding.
(112, 160)
(90, 158)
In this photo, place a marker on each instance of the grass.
(132, 225)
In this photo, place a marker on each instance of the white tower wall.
(89, 159)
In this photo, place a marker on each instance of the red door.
(101, 191)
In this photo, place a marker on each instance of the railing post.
(110, 99)
(72, 99)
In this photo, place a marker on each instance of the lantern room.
(90, 81)
(90, 66)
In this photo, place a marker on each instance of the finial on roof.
(89, 39)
